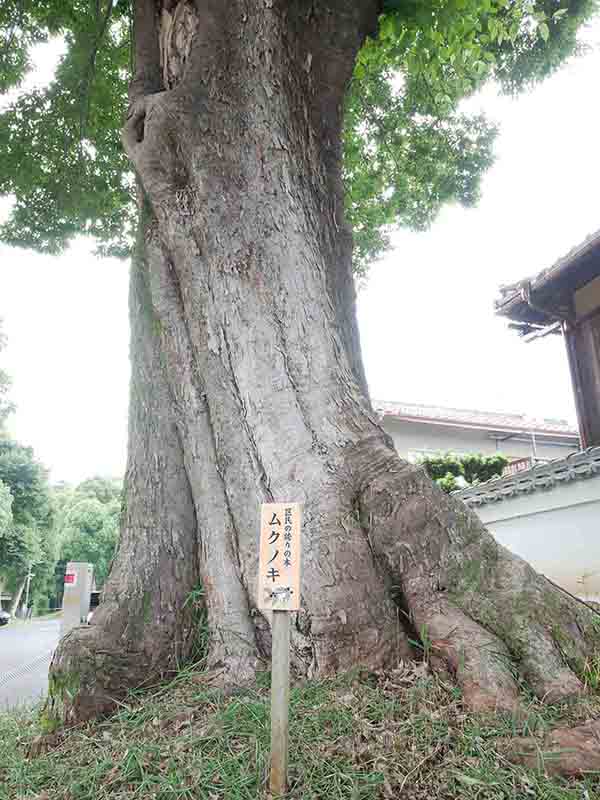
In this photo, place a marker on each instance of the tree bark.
(248, 387)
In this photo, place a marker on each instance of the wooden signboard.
(519, 465)
(279, 592)
(279, 567)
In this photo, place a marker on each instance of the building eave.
(541, 435)
(493, 423)
(551, 290)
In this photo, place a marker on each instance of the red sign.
(520, 465)
(70, 577)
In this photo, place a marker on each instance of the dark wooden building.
(566, 299)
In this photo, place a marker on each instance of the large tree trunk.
(248, 387)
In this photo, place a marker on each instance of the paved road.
(25, 652)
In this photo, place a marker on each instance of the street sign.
(280, 554)
(71, 578)
(279, 592)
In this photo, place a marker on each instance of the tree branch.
(147, 77)
(86, 82)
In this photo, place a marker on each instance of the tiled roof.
(577, 466)
(578, 266)
(489, 420)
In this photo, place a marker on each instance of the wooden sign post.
(279, 592)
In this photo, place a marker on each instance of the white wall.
(557, 530)
(411, 437)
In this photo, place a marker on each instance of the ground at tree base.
(399, 734)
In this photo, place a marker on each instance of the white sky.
(428, 329)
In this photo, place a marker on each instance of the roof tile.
(577, 466)
(483, 419)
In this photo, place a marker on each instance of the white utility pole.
(30, 575)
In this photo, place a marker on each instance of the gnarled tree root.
(570, 752)
(484, 613)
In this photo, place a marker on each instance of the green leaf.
(467, 780)
(408, 149)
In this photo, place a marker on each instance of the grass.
(591, 673)
(398, 735)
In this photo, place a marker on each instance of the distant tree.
(26, 535)
(27, 480)
(27, 539)
(105, 490)
(6, 500)
(87, 522)
(90, 533)
(5, 405)
(451, 471)
(447, 469)
(19, 547)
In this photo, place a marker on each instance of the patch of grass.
(360, 736)
(591, 673)
(195, 600)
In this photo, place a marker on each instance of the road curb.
(18, 672)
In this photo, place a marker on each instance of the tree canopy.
(6, 498)
(87, 523)
(28, 482)
(5, 405)
(6, 516)
(409, 146)
(43, 527)
(26, 532)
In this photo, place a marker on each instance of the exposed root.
(233, 672)
(564, 751)
(486, 615)
(546, 672)
(479, 661)
(89, 674)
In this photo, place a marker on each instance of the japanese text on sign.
(279, 563)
